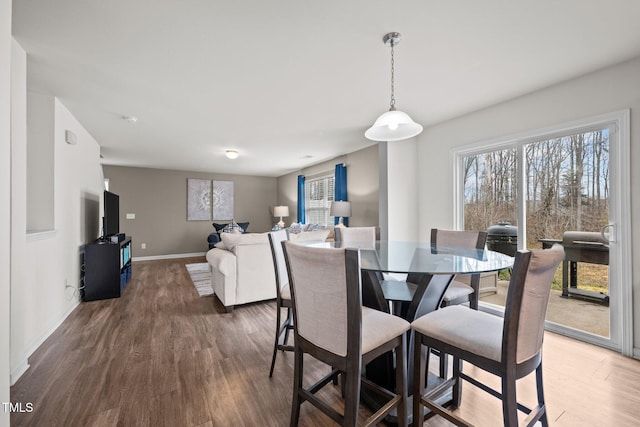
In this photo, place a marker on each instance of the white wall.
(612, 89)
(44, 265)
(5, 201)
(402, 190)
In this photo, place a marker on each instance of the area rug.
(201, 277)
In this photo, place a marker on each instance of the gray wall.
(158, 198)
(362, 185)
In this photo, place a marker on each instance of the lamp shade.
(280, 211)
(393, 125)
(342, 209)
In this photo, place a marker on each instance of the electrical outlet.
(131, 216)
(143, 246)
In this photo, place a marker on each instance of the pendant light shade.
(393, 125)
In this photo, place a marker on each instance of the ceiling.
(291, 83)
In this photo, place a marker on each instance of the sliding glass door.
(558, 186)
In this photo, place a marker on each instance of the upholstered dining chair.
(392, 287)
(509, 348)
(464, 287)
(283, 295)
(331, 325)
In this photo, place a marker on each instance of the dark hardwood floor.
(163, 356)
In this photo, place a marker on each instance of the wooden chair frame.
(475, 278)
(282, 328)
(351, 364)
(508, 368)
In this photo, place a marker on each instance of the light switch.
(131, 216)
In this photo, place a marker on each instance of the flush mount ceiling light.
(232, 154)
(130, 119)
(393, 125)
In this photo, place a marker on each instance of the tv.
(111, 219)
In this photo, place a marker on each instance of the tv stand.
(106, 268)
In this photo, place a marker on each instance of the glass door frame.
(620, 285)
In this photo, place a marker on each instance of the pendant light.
(393, 125)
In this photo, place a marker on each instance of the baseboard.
(170, 256)
(23, 365)
(17, 372)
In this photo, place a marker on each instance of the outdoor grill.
(503, 238)
(581, 246)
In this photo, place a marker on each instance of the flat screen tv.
(111, 220)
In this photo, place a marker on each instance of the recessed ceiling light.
(232, 154)
(130, 119)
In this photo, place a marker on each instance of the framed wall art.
(198, 199)
(222, 200)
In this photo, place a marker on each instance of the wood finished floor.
(163, 356)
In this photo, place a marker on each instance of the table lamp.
(280, 211)
(340, 209)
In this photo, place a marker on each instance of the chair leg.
(401, 382)
(456, 397)
(351, 398)
(444, 364)
(289, 323)
(543, 419)
(419, 367)
(275, 344)
(509, 403)
(297, 386)
(473, 300)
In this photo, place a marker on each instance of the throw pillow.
(244, 226)
(219, 227)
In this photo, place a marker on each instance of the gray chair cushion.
(457, 290)
(475, 331)
(379, 328)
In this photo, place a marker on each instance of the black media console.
(106, 269)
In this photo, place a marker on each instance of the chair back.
(458, 239)
(356, 235)
(280, 267)
(527, 300)
(372, 294)
(325, 288)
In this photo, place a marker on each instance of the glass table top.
(413, 257)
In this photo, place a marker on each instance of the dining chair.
(509, 348)
(391, 287)
(331, 325)
(283, 295)
(464, 287)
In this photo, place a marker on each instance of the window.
(318, 194)
(566, 185)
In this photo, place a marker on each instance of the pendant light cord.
(393, 99)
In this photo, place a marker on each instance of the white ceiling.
(290, 83)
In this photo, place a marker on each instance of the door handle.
(608, 237)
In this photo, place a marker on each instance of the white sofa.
(242, 267)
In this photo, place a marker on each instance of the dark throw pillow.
(219, 227)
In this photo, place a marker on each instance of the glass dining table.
(429, 269)
(426, 265)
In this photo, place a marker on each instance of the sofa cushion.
(231, 240)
